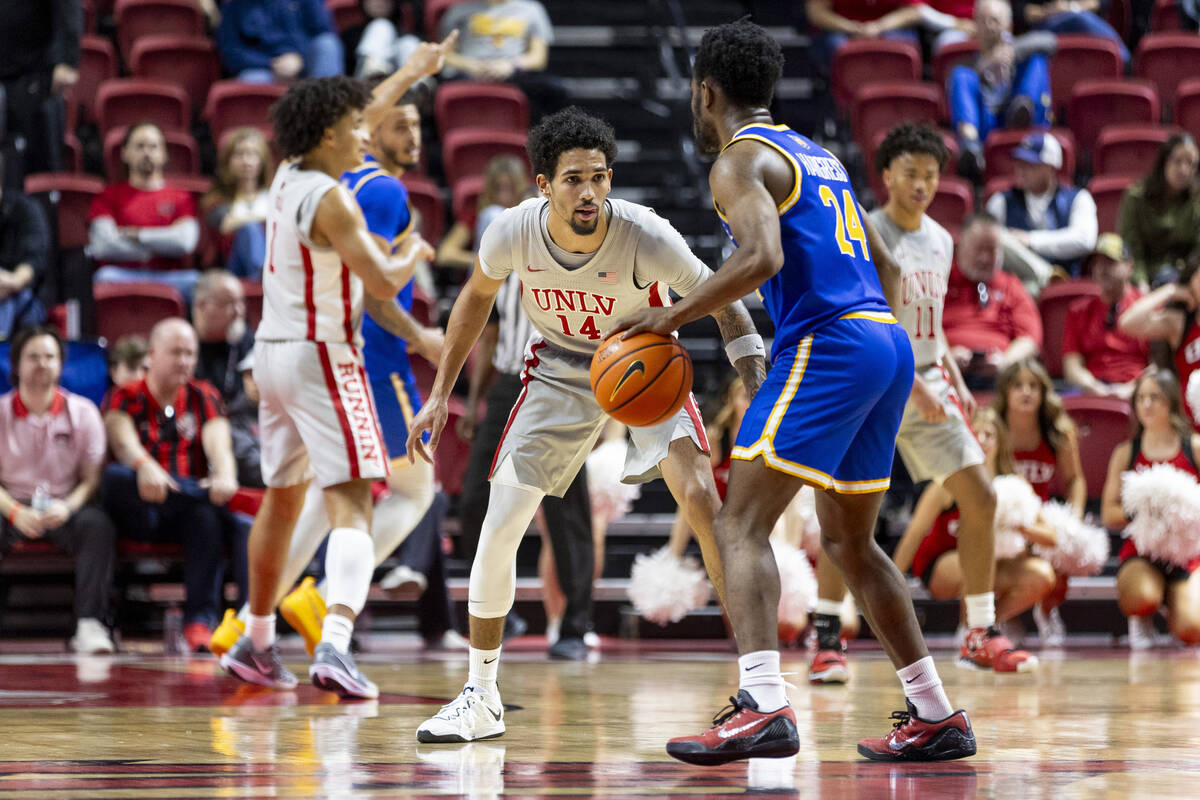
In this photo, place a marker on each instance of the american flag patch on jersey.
(606, 277)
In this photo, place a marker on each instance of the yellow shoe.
(304, 610)
(226, 634)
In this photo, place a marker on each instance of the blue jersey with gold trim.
(827, 270)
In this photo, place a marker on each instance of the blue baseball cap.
(1040, 148)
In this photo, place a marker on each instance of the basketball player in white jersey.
(935, 439)
(584, 261)
(316, 412)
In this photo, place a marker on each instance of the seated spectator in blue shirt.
(263, 41)
(24, 248)
(1007, 86)
(1070, 16)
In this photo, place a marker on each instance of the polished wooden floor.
(1092, 723)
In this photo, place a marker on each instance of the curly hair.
(743, 58)
(569, 129)
(911, 137)
(1054, 423)
(310, 108)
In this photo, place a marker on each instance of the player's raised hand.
(430, 57)
(432, 418)
(651, 320)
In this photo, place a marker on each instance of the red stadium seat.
(876, 179)
(232, 104)
(253, 292)
(89, 16)
(434, 9)
(138, 18)
(1096, 104)
(71, 194)
(183, 155)
(127, 101)
(861, 61)
(346, 14)
(1079, 58)
(1053, 304)
(189, 61)
(1167, 59)
(954, 202)
(467, 151)
(73, 152)
(498, 106)
(951, 56)
(879, 106)
(1128, 149)
(1103, 423)
(997, 152)
(97, 64)
(425, 196)
(1107, 191)
(125, 308)
(465, 200)
(1187, 106)
(1165, 16)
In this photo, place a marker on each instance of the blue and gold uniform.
(384, 203)
(841, 368)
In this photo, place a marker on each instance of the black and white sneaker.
(470, 716)
(336, 672)
(263, 668)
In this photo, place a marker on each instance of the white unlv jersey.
(308, 294)
(640, 257)
(924, 257)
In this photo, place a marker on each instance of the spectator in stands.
(505, 183)
(1097, 356)
(24, 251)
(1054, 220)
(504, 40)
(1008, 85)
(219, 316)
(1071, 17)
(838, 21)
(1161, 435)
(51, 451)
(266, 41)
(39, 60)
(380, 46)
(989, 318)
(237, 205)
(174, 470)
(127, 360)
(1160, 214)
(144, 229)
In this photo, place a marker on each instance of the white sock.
(485, 664)
(261, 630)
(923, 687)
(981, 610)
(758, 674)
(337, 631)
(349, 565)
(831, 608)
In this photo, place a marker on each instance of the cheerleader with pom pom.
(930, 543)
(1045, 446)
(1161, 435)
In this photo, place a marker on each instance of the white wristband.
(749, 345)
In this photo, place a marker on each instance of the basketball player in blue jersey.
(827, 414)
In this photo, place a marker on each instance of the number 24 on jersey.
(848, 228)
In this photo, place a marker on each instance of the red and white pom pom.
(1193, 395)
(1017, 507)
(797, 585)
(665, 589)
(610, 498)
(1163, 504)
(1081, 548)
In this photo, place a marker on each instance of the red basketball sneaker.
(916, 739)
(988, 649)
(740, 731)
(829, 666)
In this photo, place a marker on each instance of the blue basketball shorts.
(397, 399)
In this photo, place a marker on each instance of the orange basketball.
(642, 380)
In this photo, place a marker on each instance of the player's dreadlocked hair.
(569, 129)
(743, 59)
(911, 137)
(311, 107)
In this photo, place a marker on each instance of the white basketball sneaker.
(474, 714)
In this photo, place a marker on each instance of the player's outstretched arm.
(885, 266)
(467, 318)
(427, 59)
(340, 222)
(425, 342)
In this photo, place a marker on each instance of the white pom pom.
(664, 588)
(1193, 394)
(1081, 548)
(610, 498)
(797, 585)
(1164, 506)
(1017, 507)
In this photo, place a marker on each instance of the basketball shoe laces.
(734, 708)
(902, 718)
